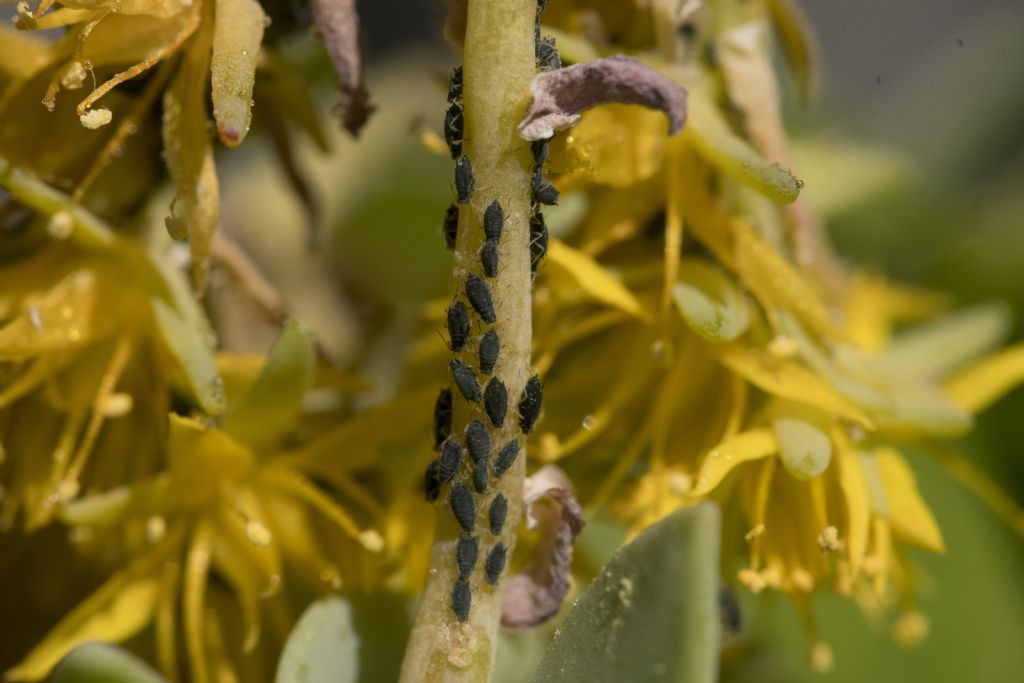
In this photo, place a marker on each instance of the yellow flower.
(218, 532)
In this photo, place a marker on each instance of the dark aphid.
(496, 401)
(538, 240)
(465, 555)
(451, 459)
(547, 54)
(489, 258)
(490, 346)
(506, 456)
(442, 417)
(540, 151)
(494, 221)
(496, 515)
(455, 86)
(543, 191)
(454, 123)
(478, 440)
(458, 325)
(451, 226)
(480, 476)
(495, 563)
(461, 599)
(530, 403)
(729, 612)
(465, 380)
(479, 295)
(464, 180)
(432, 481)
(463, 506)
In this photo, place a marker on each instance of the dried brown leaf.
(534, 595)
(338, 24)
(560, 96)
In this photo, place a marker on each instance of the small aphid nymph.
(442, 417)
(543, 191)
(496, 401)
(432, 481)
(547, 54)
(530, 404)
(451, 459)
(478, 440)
(453, 129)
(497, 513)
(465, 380)
(461, 599)
(538, 240)
(465, 555)
(455, 86)
(479, 295)
(463, 506)
(490, 346)
(495, 563)
(506, 456)
(451, 226)
(489, 258)
(464, 180)
(458, 325)
(494, 221)
(480, 476)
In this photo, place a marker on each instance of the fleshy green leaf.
(804, 449)
(652, 612)
(103, 663)
(236, 47)
(192, 351)
(271, 405)
(323, 648)
(710, 302)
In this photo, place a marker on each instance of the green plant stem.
(499, 63)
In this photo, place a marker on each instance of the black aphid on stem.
(458, 325)
(461, 599)
(465, 380)
(463, 506)
(540, 151)
(465, 555)
(530, 404)
(442, 417)
(464, 180)
(543, 191)
(497, 513)
(496, 401)
(479, 295)
(455, 86)
(495, 563)
(432, 481)
(506, 456)
(478, 440)
(489, 258)
(538, 240)
(547, 54)
(451, 459)
(454, 123)
(451, 226)
(494, 221)
(490, 347)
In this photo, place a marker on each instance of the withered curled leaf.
(338, 24)
(534, 595)
(560, 96)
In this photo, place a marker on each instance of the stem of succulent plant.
(499, 63)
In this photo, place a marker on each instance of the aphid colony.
(469, 479)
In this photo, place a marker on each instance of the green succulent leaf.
(323, 647)
(103, 663)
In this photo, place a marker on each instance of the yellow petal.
(189, 156)
(592, 278)
(857, 504)
(776, 282)
(63, 318)
(982, 384)
(273, 403)
(736, 450)
(117, 610)
(710, 302)
(201, 458)
(615, 145)
(236, 47)
(197, 567)
(908, 513)
(787, 379)
(874, 305)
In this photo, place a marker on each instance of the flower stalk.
(450, 642)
